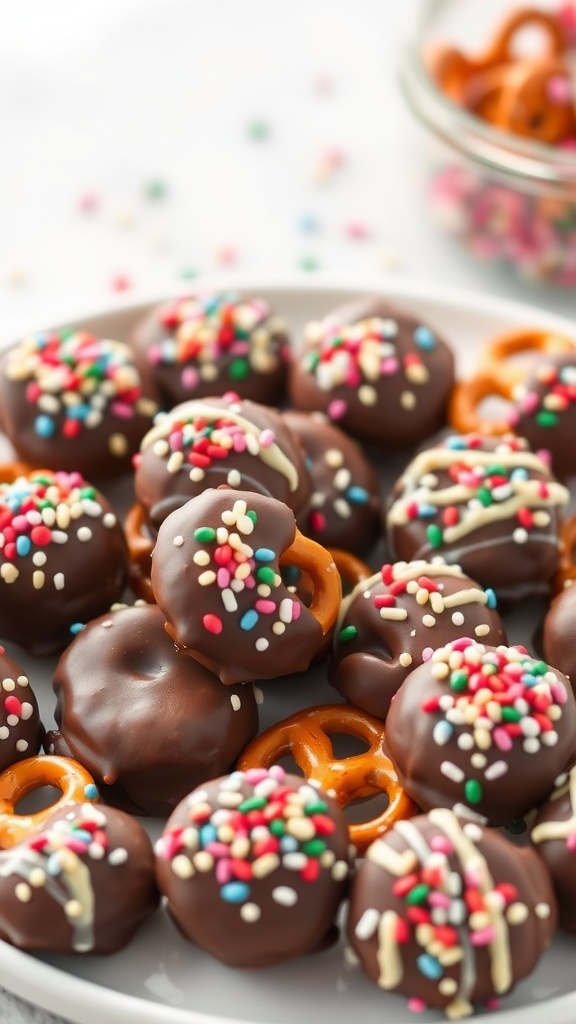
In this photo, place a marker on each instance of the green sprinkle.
(538, 668)
(266, 575)
(311, 361)
(484, 497)
(189, 273)
(314, 848)
(316, 807)
(458, 680)
(259, 130)
(155, 189)
(496, 470)
(205, 534)
(510, 714)
(545, 418)
(239, 369)
(252, 515)
(418, 894)
(309, 263)
(473, 791)
(277, 827)
(435, 535)
(87, 492)
(254, 803)
(67, 333)
(347, 634)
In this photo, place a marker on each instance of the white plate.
(160, 977)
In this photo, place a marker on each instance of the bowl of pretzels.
(493, 86)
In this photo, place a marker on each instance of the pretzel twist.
(33, 773)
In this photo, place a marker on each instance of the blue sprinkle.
(519, 473)
(23, 545)
(90, 791)
(44, 426)
(264, 555)
(455, 442)
(78, 412)
(424, 338)
(491, 599)
(235, 892)
(527, 679)
(308, 223)
(208, 834)
(53, 865)
(288, 844)
(357, 495)
(442, 732)
(83, 836)
(76, 628)
(425, 511)
(249, 619)
(429, 966)
(40, 340)
(308, 463)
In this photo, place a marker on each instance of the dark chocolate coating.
(142, 717)
(75, 570)
(228, 629)
(553, 835)
(375, 648)
(392, 391)
(251, 361)
(164, 481)
(21, 731)
(506, 509)
(504, 762)
(342, 511)
(114, 885)
(116, 412)
(545, 411)
(471, 951)
(558, 635)
(264, 916)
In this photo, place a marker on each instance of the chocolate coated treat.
(71, 401)
(289, 856)
(486, 504)
(207, 442)
(392, 622)
(215, 574)
(84, 884)
(379, 373)
(21, 731)
(342, 511)
(482, 730)
(449, 914)
(558, 636)
(545, 411)
(63, 558)
(208, 344)
(554, 837)
(142, 717)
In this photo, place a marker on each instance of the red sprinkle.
(212, 623)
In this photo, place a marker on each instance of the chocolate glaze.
(504, 505)
(554, 837)
(393, 384)
(342, 510)
(558, 634)
(95, 901)
(217, 618)
(73, 562)
(496, 755)
(487, 912)
(281, 904)
(142, 717)
(202, 345)
(21, 731)
(392, 622)
(545, 411)
(74, 402)
(207, 442)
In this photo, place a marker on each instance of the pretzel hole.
(530, 40)
(344, 745)
(366, 808)
(494, 408)
(38, 800)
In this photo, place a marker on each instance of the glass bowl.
(510, 201)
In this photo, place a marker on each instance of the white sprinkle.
(452, 771)
(520, 535)
(407, 399)
(109, 520)
(262, 644)
(4, 732)
(39, 558)
(405, 659)
(235, 702)
(368, 924)
(84, 534)
(118, 856)
(258, 695)
(178, 541)
(38, 579)
(182, 866)
(458, 618)
(23, 892)
(234, 479)
(201, 557)
(284, 895)
(250, 912)
(229, 600)
(339, 870)
(59, 581)
(482, 630)
(428, 620)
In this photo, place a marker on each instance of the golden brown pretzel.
(317, 562)
(11, 471)
(140, 547)
(566, 574)
(306, 736)
(465, 399)
(65, 774)
(496, 355)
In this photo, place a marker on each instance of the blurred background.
(146, 142)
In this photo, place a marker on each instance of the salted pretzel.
(75, 784)
(566, 574)
(465, 400)
(140, 547)
(306, 735)
(497, 354)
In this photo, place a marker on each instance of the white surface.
(160, 976)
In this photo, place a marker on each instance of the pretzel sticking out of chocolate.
(306, 736)
(74, 782)
(566, 575)
(496, 355)
(463, 407)
(140, 547)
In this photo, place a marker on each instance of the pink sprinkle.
(545, 456)
(88, 202)
(277, 772)
(427, 653)
(239, 443)
(439, 899)
(571, 842)
(231, 396)
(353, 378)
(337, 409)
(462, 643)
(530, 402)
(176, 441)
(558, 693)
(226, 255)
(122, 410)
(559, 90)
(296, 609)
(217, 849)
(223, 871)
(317, 521)
(483, 937)
(493, 1004)
(416, 1005)
(223, 578)
(266, 607)
(388, 367)
(441, 844)
(356, 230)
(502, 740)
(267, 438)
(155, 355)
(333, 157)
(190, 378)
(120, 283)
(256, 775)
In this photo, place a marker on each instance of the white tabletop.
(143, 140)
